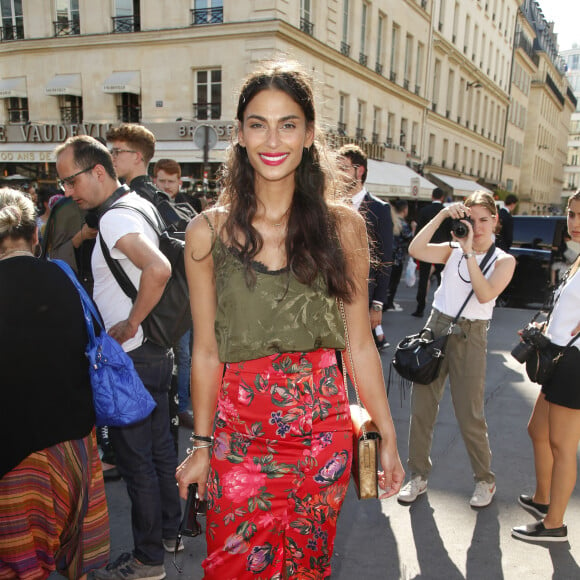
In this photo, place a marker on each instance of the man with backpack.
(145, 453)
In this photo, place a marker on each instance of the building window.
(71, 109)
(209, 95)
(363, 35)
(380, 34)
(306, 22)
(67, 21)
(376, 124)
(408, 61)
(17, 110)
(344, 46)
(129, 108)
(207, 12)
(436, 84)
(342, 114)
(12, 20)
(418, 68)
(127, 16)
(394, 52)
(403, 134)
(360, 119)
(390, 129)
(441, 16)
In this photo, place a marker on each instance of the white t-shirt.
(456, 285)
(566, 313)
(114, 305)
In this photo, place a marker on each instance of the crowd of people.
(296, 255)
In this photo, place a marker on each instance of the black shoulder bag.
(171, 316)
(418, 356)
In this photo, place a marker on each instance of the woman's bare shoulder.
(203, 230)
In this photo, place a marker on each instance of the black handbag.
(542, 361)
(418, 356)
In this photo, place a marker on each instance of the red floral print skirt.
(280, 468)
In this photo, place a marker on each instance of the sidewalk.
(439, 537)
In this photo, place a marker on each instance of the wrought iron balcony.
(379, 68)
(204, 111)
(375, 138)
(129, 113)
(307, 26)
(359, 133)
(393, 76)
(67, 27)
(345, 48)
(125, 24)
(341, 127)
(362, 58)
(71, 114)
(207, 15)
(12, 32)
(406, 84)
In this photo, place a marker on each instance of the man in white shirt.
(145, 453)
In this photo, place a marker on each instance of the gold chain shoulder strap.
(352, 373)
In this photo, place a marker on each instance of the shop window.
(71, 109)
(129, 108)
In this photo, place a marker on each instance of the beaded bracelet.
(195, 437)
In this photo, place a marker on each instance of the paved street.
(440, 536)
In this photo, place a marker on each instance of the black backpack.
(171, 317)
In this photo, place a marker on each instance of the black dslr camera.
(459, 228)
(532, 338)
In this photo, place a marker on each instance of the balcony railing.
(307, 26)
(129, 113)
(207, 16)
(345, 48)
(362, 58)
(125, 24)
(204, 111)
(406, 84)
(375, 138)
(12, 32)
(417, 89)
(393, 76)
(359, 133)
(71, 114)
(18, 115)
(341, 127)
(379, 68)
(67, 27)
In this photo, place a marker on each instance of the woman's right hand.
(193, 469)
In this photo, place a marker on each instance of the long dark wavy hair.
(312, 242)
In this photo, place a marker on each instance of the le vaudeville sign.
(17, 141)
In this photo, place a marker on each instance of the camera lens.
(459, 229)
(521, 351)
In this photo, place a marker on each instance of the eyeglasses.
(189, 525)
(70, 180)
(115, 151)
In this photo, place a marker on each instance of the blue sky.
(566, 15)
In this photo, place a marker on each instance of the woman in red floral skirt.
(265, 269)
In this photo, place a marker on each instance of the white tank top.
(456, 285)
(566, 313)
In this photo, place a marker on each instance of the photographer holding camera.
(554, 426)
(465, 358)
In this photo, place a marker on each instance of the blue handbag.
(119, 396)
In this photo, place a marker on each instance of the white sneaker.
(483, 494)
(416, 486)
(169, 545)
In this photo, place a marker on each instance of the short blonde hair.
(17, 215)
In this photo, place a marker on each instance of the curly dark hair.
(312, 241)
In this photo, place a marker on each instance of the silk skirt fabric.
(53, 513)
(280, 468)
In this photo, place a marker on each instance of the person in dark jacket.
(377, 214)
(426, 214)
(506, 222)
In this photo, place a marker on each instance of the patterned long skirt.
(280, 468)
(53, 513)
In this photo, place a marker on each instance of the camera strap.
(484, 267)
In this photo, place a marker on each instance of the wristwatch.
(377, 307)
(468, 255)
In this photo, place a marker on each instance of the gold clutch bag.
(365, 460)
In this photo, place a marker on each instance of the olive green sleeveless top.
(279, 314)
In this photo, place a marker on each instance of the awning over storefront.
(392, 180)
(457, 186)
(15, 87)
(123, 82)
(64, 85)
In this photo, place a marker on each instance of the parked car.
(538, 242)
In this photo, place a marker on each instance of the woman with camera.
(554, 426)
(465, 358)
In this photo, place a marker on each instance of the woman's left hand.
(576, 330)
(392, 477)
